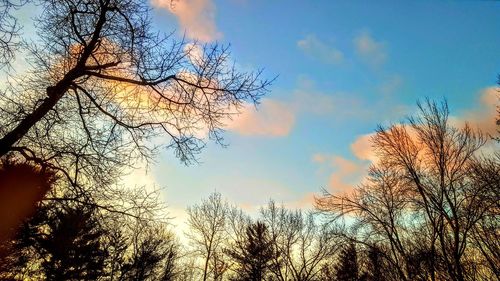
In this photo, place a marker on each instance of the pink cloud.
(362, 148)
(346, 173)
(196, 17)
(272, 118)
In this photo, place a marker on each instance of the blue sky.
(344, 67)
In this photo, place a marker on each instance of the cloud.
(369, 49)
(391, 85)
(362, 148)
(346, 173)
(483, 116)
(276, 118)
(196, 17)
(315, 48)
(272, 118)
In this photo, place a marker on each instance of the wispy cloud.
(272, 118)
(276, 118)
(344, 173)
(391, 84)
(369, 49)
(196, 17)
(314, 47)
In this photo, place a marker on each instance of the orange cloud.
(196, 17)
(346, 173)
(272, 118)
(484, 116)
(362, 148)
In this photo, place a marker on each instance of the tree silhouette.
(57, 243)
(253, 255)
(374, 271)
(429, 192)
(72, 246)
(347, 266)
(103, 84)
(154, 255)
(301, 242)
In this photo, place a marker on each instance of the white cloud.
(316, 48)
(370, 50)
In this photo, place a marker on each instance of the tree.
(422, 200)
(253, 255)
(154, 255)
(301, 243)
(57, 243)
(207, 223)
(347, 267)
(9, 30)
(103, 84)
(72, 246)
(374, 268)
(64, 241)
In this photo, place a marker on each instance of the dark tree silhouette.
(254, 255)
(374, 268)
(154, 255)
(72, 246)
(57, 243)
(103, 84)
(347, 266)
(62, 241)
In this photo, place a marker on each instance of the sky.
(342, 68)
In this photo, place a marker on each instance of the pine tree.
(254, 254)
(72, 246)
(347, 266)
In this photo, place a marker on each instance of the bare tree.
(422, 200)
(301, 243)
(104, 84)
(207, 223)
(9, 30)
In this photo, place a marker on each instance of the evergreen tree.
(71, 247)
(254, 254)
(374, 266)
(347, 266)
